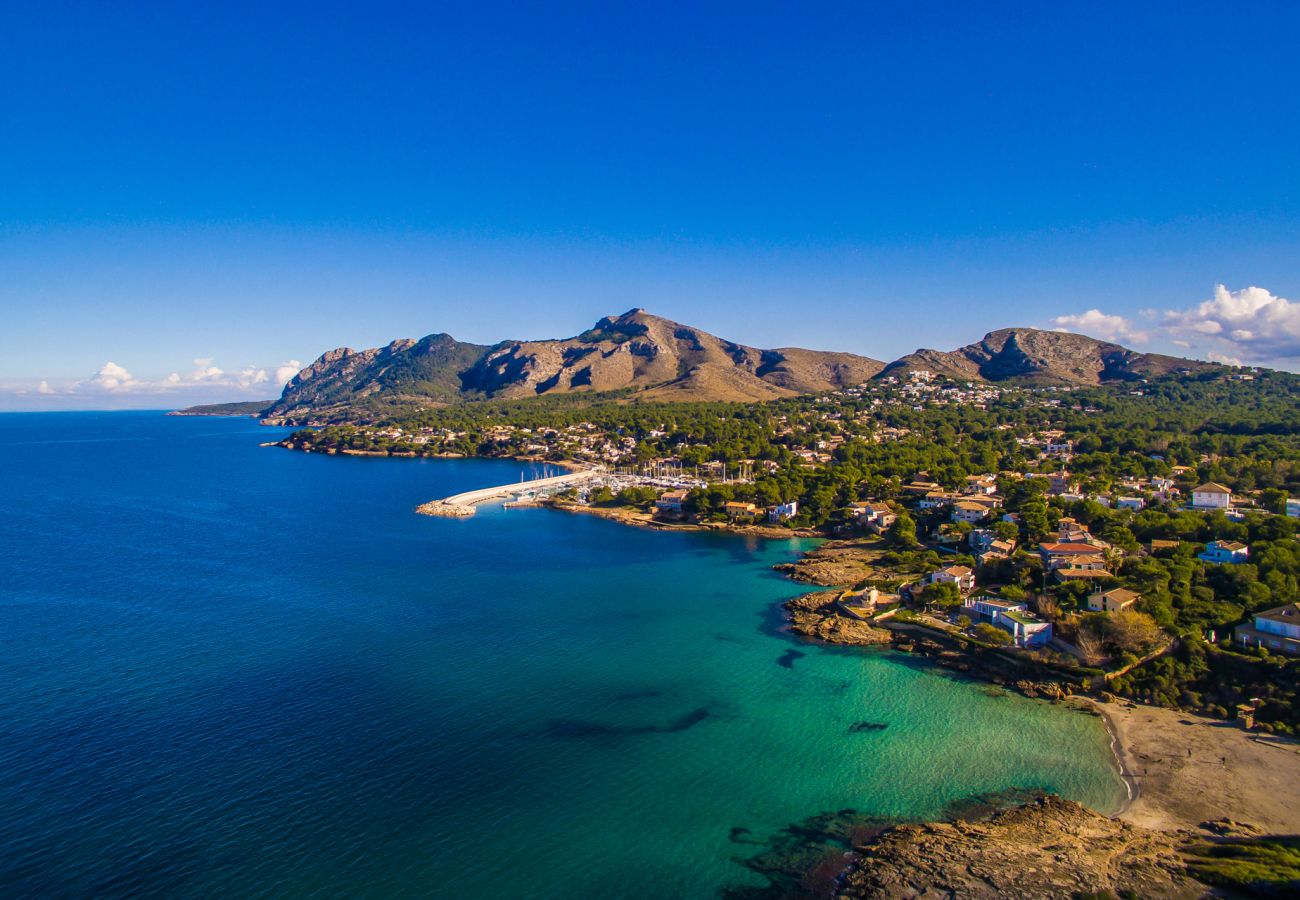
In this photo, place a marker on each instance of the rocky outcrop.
(1047, 848)
(819, 616)
(835, 564)
(1032, 356)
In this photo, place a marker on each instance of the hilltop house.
(1211, 495)
(1112, 601)
(1226, 552)
(1274, 629)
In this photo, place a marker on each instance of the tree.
(1034, 515)
(941, 595)
(991, 634)
(1006, 531)
(903, 531)
(1129, 631)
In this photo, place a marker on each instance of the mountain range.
(642, 355)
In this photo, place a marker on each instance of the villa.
(1225, 552)
(961, 576)
(1274, 629)
(1211, 495)
(1012, 617)
(1112, 601)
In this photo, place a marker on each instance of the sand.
(1189, 770)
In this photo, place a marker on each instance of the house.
(671, 501)
(1274, 629)
(1227, 552)
(1013, 617)
(981, 484)
(736, 510)
(1026, 630)
(935, 499)
(961, 576)
(1062, 555)
(1293, 507)
(985, 607)
(1061, 482)
(1130, 503)
(1112, 601)
(1211, 495)
(966, 511)
(783, 511)
(877, 516)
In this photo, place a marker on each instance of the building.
(1062, 555)
(1211, 495)
(961, 576)
(783, 511)
(1293, 507)
(736, 510)
(968, 511)
(1012, 617)
(1225, 552)
(1112, 601)
(1026, 630)
(1130, 503)
(671, 501)
(1274, 629)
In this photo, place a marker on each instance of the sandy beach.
(1188, 770)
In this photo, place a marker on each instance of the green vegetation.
(1255, 867)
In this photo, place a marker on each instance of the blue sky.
(206, 197)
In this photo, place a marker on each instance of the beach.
(1189, 770)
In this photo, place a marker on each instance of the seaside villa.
(1012, 617)
(1274, 629)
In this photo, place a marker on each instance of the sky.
(198, 199)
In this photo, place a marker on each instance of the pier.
(463, 504)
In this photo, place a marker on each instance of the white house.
(986, 608)
(961, 576)
(783, 511)
(1130, 503)
(969, 511)
(1012, 617)
(1274, 629)
(1228, 552)
(1293, 507)
(1211, 495)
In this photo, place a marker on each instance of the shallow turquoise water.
(236, 671)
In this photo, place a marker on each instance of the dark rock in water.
(787, 659)
(805, 859)
(859, 727)
(740, 835)
(580, 728)
(981, 806)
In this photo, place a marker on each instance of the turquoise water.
(232, 671)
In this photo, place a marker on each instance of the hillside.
(1028, 355)
(636, 353)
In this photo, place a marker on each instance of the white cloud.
(111, 377)
(1251, 324)
(286, 370)
(44, 387)
(1098, 324)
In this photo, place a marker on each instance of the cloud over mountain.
(1098, 324)
(1251, 324)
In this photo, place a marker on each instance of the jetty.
(461, 505)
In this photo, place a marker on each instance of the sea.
(230, 670)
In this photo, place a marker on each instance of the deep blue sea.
(234, 671)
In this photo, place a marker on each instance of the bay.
(241, 671)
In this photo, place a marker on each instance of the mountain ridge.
(641, 355)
